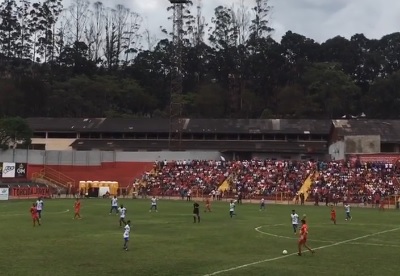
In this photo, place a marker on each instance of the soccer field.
(169, 243)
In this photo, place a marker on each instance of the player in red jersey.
(303, 238)
(382, 204)
(77, 207)
(333, 215)
(34, 214)
(208, 206)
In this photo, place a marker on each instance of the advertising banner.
(20, 170)
(30, 192)
(382, 158)
(8, 170)
(13, 170)
(4, 193)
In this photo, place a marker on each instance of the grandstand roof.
(284, 126)
(389, 130)
(135, 125)
(259, 146)
(64, 124)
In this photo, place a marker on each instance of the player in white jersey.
(232, 208)
(122, 214)
(153, 204)
(114, 205)
(294, 217)
(347, 210)
(262, 204)
(39, 207)
(127, 230)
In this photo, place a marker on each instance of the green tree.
(329, 92)
(260, 27)
(14, 131)
(382, 101)
(9, 28)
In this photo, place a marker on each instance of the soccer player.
(196, 212)
(39, 207)
(347, 210)
(232, 208)
(208, 206)
(34, 214)
(153, 204)
(382, 204)
(294, 217)
(127, 230)
(77, 207)
(303, 238)
(262, 204)
(333, 215)
(114, 205)
(122, 214)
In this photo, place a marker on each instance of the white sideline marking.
(46, 213)
(293, 238)
(292, 254)
(375, 244)
(285, 237)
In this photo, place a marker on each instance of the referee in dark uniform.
(196, 212)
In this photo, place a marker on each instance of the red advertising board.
(30, 192)
(385, 158)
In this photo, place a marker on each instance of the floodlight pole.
(176, 104)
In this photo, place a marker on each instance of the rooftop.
(389, 130)
(239, 126)
(260, 146)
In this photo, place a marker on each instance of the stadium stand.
(332, 182)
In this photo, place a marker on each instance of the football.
(284, 252)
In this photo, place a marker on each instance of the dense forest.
(94, 60)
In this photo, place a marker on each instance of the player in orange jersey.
(333, 215)
(34, 214)
(303, 238)
(208, 205)
(382, 204)
(77, 207)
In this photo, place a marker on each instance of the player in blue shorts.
(262, 204)
(347, 210)
(114, 205)
(294, 218)
(127, 230)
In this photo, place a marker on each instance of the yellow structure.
(306, 185)
(226, 184)
(86, 185)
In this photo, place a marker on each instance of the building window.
(62, 135)
(39, 135)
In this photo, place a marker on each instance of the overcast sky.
(317, 19)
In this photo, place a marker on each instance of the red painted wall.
(122, 172)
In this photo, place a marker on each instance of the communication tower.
(176, 104)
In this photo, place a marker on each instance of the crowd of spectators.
(356, 182)
(334, 181)
(186, 177)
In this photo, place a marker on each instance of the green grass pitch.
(169, 243)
